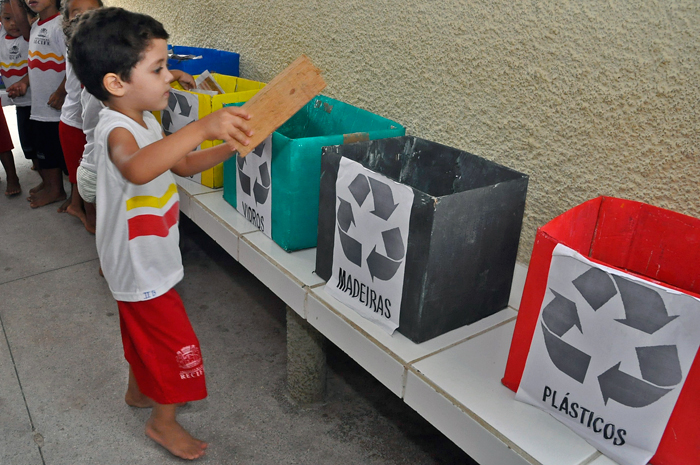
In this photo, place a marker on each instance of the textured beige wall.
(588, 98)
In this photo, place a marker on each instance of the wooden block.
(279, 100)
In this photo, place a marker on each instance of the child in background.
(70, 128)
(121, 57)
(13, 67)
(47, 71)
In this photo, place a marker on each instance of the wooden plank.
(278, 101)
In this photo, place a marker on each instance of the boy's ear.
(113, 84)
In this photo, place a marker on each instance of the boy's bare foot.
(45, 197)
(13, 188)
(36, 189)
(64, 206)
(166, 431)
(78, 213)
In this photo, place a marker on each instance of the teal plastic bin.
(296, 164)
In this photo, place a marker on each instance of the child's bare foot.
(78, 213)
(166, 431)
(36, 189)
(45, 197)
(13, 188)
(64, 206)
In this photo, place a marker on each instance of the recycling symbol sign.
(254, 186)
(182, 109)
(371, 239)
(610, 355)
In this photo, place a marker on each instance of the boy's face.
(78, 7)
(148, 88)
(8, 20)
(37, 6)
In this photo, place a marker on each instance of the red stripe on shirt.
(14, 72)
(154, 225)
(37, 64)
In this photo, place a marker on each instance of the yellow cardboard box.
(185, 107)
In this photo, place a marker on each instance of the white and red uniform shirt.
(71, 112)
(137, 226)
(47, 65)
(91, 108)
(14, 64)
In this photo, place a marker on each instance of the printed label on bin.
(254, 186)
(610, 355)
(371, 239)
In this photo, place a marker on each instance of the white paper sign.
(610, 355)
(254, 186)
(369, 252)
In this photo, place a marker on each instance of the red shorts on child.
(73, 144)
(5, 137)
(162, 349)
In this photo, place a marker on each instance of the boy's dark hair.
(110, 40)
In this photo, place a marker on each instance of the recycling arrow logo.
(254, 184)
(381, 266)
(182, 109)
(645, 313)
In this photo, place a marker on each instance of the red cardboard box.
(648, 242)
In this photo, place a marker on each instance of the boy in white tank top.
(137, 208)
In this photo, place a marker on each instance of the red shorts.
(73, 144)
(162, 349)
(5, 137)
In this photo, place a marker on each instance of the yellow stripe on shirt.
(150, 200)
(46, 56)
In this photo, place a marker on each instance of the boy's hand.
(56, 99)
(18, 89)
(186, 80)
(230, 125)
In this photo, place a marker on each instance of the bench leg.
(306, 360)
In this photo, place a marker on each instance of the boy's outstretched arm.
(142, 165)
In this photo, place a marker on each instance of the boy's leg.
(73, 145)
(134, 397)
(48, 146)
(163, 428)
(8, 162)
(90, 217)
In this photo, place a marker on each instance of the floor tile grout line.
(49, 271)
(21, 389)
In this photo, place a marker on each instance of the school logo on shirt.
(42, 37)
(14, 52)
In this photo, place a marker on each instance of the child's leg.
(6, 158)
(164, 429)
(90, 217)
(8, 162)
(51, 162)
(73, 145)
(134, 397)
